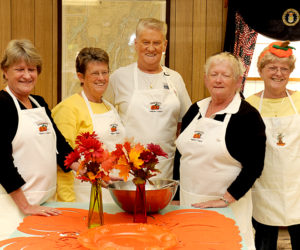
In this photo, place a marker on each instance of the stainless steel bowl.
(158, 196)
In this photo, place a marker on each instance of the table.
(114, 209)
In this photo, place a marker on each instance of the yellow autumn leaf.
(134, 155)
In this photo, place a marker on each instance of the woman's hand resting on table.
(222, 202)
(28, 209)
(41, 210)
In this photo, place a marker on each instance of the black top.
(245, 140)
(10, 178)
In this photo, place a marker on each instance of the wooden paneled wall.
(35, 20)
(197, 30)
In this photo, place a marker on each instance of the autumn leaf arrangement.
(137, 160)
(94, 159)
(129, 158)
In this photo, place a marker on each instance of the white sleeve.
(184, 98)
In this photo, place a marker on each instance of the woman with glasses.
(87, 111)
(276, 194)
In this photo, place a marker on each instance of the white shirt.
(120, 90)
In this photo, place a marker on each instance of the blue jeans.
(266, 236)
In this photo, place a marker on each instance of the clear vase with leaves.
(95, 216)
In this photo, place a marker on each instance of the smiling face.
(95, 80)
(150, 44)
(21, 78)
(220, 81)
(275, 76)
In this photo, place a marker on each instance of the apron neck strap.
(15, 99)
(88, 106)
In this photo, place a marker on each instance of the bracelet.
(226, 201)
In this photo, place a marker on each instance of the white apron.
(152, 117)
(276, 194)
(34, 153)
(110, 131)
(207, 169)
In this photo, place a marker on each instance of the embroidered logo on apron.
(279, 139)
(43, 128)
(114, 129)
(197, 136)
(155, 107)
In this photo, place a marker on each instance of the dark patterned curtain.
(266, 17)
(244, 44)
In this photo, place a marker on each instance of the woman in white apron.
(215, 166)
(276, 194)
(152, 99)
(84, 112)
(28, 142)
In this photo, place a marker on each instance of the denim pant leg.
(294, 232)
(265, 236)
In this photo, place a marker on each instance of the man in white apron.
(151, 99)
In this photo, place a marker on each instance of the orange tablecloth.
(194, 228)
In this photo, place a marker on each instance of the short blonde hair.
(236, 64)
(267, 57)
(151, 23)
(23, 49)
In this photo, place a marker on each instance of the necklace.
(151, 81)
(277, 109)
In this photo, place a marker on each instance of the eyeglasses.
(97, 74)
(274, 70)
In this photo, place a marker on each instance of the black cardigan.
(10, 178)
(245, 140)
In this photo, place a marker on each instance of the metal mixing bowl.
(158, 196)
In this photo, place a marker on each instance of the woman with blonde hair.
(31, 146)
(276, 194)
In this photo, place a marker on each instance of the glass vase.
(140, 211)
(95, 216)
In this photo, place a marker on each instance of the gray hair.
(236, 64)
(151, 23)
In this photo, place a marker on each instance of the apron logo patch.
(279, 139)
(197, 135)
(43, 128)
(114, 129)
(166, 86)
(155, 107)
